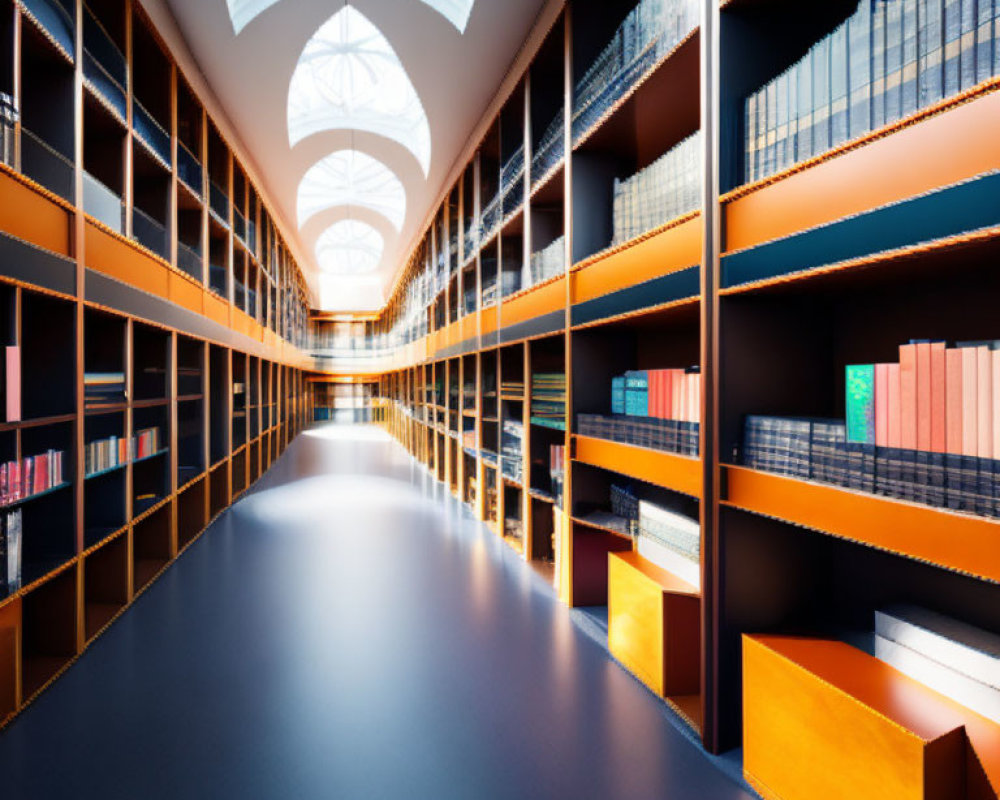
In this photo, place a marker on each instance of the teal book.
(618, 395)
(637, 393)
(860, 383)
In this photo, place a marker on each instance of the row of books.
(103, 389)
(512, 449)
(512, 387)
(662, 393)
(889, 59)
(33, 475)
(672, 436)
(668, 188)
(116, 451)
(551, 147)
(650, 31)
(670, 540)
(548, 399)
(10, 552)
(548, 262)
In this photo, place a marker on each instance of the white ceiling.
(455, 75)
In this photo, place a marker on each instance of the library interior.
(500, 399)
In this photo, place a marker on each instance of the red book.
(984, 402)
(13, 384)
(663, 410)
(938, 381)
(953, 401)
(969, 396)
(694, 402)
(924, 396)
(893, 407)
(908, 396)
(655, 392)
(882, 405)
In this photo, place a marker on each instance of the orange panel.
(28, 214)
(669, 251)
(216, 309)
(542, 299)
(680, 473)
(958, 541)
(939, 151)
(822, 719)
(488, 320)
(185, 293)
(654, 622)
(107, 253)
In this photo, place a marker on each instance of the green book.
(861, 403)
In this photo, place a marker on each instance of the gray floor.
(349, 631)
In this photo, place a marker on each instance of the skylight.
(349, 247)
(455, 11)
(241, 12)
(351, 178)
(349, 77)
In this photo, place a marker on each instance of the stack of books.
(103, 389)
(511, 387)
(548, 399)
(659, 409)
(512, 449)
(33, 475)
(650, 31)
(549, 262)
(625, 504)
(10, 552)
(924, 429)
(888, 60)
(551, 148)
(512, 182)
(668, 188)
(670, 540)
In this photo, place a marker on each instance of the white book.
(670, 560)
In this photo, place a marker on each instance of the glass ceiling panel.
(348, 76)
(351, 178)
(241, 12)
(349, 247)
(455, 11)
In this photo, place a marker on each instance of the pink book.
(682, 397)
(984, 402)
(893, 407)
(675, 393)
(924, 396)
(953, 401)
(908, 396)
(969, 400)
(938, 381)
(664, 410)
(882, 405)
(661, 386)
(13, 384)
(694, 401)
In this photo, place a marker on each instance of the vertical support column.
(129, 182)
(18, 97)
(129, 411)
(566, 592)
(172, 437)
(709, 442)
(204, 198)
(172, 212)
(79, 230)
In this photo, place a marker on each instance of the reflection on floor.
(348, 630)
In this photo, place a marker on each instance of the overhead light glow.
(349, 77)
(349, 247)
(241, 12)
(351, 178)
(455, 11)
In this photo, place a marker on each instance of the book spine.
(911, 57)
(930, 51)
(908, 419)
(13, 383)
(952, 46)
(984, 429)
(985, 41)
(882, 405)
(860, 382)
(878, 63)
(970, 436)
(839, 87)
(804, 122)
(953, 425)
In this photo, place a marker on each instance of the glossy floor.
(349, 631)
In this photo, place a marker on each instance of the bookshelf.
(122, 351)
(770, 283)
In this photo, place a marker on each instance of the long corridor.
(348, 630)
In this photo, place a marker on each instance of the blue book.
(894, 68)
(821, 97)
(984, 40)
(618, 395)
(637, 393)
(911, 57)
(952, 27)
(803, 112)
(839, 87)
(860, 66)
(878, 64)
(930, 52)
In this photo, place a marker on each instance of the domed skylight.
(349, 77)
(241, 12)
(351, 178)
(349, 247)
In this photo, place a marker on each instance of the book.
(860, 384)
(804, 121)
(821, 97)
(13, 383)
(953, 429)
(970, 435)
(985, 40)
(908, 419)
(952, 46)
(859, 43)
(984, 429)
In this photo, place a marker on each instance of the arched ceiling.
(285, 72)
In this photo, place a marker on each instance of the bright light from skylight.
(349, 247)
(241, 12)
(348, 76)
(351, 178)
(455, 11)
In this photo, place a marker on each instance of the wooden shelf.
(671, 471)
(955, 541)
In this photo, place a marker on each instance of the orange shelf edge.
(671, 471)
